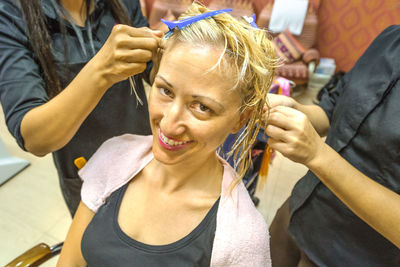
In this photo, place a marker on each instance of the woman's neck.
(77, 10)
(202, 176)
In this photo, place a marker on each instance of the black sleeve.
(21, 86)
(329, 98)
(138, 20)
(134, 11)
(386, 43)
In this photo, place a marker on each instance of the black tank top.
(105, 244)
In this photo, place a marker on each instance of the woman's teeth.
(171, 142)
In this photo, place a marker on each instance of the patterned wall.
(347, 27)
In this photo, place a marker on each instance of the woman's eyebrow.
(220, 106)
(162, 78)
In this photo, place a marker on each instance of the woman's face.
(192, 109)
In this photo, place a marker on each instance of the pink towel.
(241, 237)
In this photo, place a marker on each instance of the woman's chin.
(188, 155)
(168, 157)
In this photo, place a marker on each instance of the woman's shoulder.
(123, 143)
(115, 153)
(115, 162)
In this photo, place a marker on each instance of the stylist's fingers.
(278, 119)
(126, 42)
(278, 145)
(157, 33)
(287, 111)
(292, 134)
(135, 56)
(138, 67)
(285, 117)
(276, 133)
(137, 38)
(275, 100)
(289, 118)
(126, 52)
(162, 44)
(137, 32)
(290, 151)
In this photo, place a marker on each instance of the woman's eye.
(166, 92)
(203, 108)
(199, 107)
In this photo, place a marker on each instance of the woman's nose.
(172, 124)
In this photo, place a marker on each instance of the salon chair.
(42, 252)
(36, 255)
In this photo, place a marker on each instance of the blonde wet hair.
(249, 55)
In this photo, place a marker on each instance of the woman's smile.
(170, 143)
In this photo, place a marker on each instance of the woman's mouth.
(171, 144)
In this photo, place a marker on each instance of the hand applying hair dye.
(72, 66)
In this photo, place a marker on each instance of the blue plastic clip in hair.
(251, 20)
(180, 24)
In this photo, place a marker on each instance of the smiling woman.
(192, 108)
(169, 199)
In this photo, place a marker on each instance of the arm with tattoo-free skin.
(52, 125)
(71, 253)
(292, 131)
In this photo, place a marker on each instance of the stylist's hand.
(291, 133)
(126, 52)
(275, 100)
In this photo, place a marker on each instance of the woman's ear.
(244, 118)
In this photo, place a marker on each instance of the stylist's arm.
(50, 126)
(292, 134)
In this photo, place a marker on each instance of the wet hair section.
(247, 56)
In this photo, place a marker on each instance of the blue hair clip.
(180, 24)
(251, 20)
